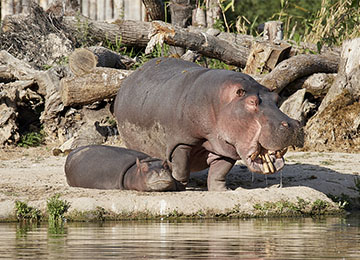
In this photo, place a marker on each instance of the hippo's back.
(150, 105)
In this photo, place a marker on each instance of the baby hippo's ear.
(137, 163)
(142, 166)
(165, 165)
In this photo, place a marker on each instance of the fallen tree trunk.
(296, 67)
(203, 43)
(102, 83)
(136, 33)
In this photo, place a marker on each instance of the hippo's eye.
(240, 92)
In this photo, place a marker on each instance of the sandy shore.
(34, 175)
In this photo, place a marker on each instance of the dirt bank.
(34, 175)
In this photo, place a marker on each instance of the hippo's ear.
(142, 166)
(165, 165)
(138, 163)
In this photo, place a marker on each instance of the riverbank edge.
(292, 207)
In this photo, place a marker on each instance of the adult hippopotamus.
(196, 118)
(108, 167)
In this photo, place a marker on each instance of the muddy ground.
(33, 175)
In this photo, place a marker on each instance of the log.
(84, 60)
(135, 33)
(111, 59)
(11, 67)
(264, 56)
(336, 124)
(273, 31)
(130, 33)
(180, 11)
(102, 83)
(296, 67)
(213, 12)
(155, 9)
(203, 43)
(347, 78)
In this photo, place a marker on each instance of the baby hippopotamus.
(108, 167)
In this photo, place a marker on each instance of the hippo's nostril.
(285, 124)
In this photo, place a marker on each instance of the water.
(301, 238)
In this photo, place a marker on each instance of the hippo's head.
(157, 174)
(250, 123)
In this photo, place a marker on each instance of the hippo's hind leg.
(219, 168)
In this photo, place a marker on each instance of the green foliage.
(57, 208)
(25, 212)
(300, 208)
(32, 139)
(323, 22)
(83, 35)
(319, 207)
(334, 22)
(344, 201)
(159, 51)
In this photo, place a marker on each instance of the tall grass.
(335, 22)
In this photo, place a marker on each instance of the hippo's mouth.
(265, 161)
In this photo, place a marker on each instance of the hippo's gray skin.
(108, 167)
(198, 118)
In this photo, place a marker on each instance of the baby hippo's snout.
(160, 180)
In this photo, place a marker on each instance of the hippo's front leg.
(219, 168)
(180, 161)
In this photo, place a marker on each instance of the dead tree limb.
(296, 67)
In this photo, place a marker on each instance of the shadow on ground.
(325, 180)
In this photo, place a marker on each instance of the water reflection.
(304, 238)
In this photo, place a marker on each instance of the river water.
(298, 238)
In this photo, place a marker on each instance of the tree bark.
(296, 67)
(155, 9)
(128, 32)
(102, 83)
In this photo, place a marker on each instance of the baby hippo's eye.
(240, 92)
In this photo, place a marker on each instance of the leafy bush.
(32, 139)
(57, 208)
(25, 212)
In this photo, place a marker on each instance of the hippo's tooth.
(270, 164)
(265, 164)
(283, 151)
(279, 154)
(254, 155)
